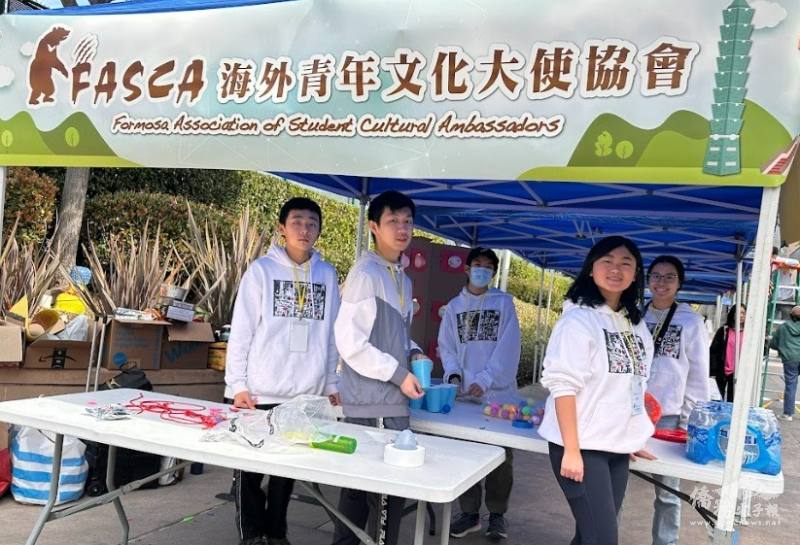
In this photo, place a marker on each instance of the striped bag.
(32, 464)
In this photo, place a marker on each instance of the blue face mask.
(480, 276)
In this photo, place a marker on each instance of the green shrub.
(524, 280)
(31, 196)
(218, 187)
(127, 213)
(526, 313)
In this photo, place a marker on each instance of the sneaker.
(254, 541)
(464, 524)
(786, 417)
(497, 527)
(277, 541)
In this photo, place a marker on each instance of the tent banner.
(678, 91)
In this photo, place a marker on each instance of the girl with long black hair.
(596, 368)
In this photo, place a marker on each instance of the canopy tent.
(512, 108)
(555, 223)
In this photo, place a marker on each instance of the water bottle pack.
(709, 427)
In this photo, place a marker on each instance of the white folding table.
(467, 421)
(450, 468)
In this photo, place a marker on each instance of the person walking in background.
(723, 352)
(787, 342)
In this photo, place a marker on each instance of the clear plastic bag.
(296, 422)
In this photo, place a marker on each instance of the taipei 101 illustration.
(723, 156)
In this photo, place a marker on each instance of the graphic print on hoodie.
(284, 300)
(478, 325)
(618, 348)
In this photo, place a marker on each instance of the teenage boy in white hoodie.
(479, 343)
(678, 376)
(281, 346)
(374, 340)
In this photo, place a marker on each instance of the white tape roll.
(403, 458)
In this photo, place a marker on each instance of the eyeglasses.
(666, 278)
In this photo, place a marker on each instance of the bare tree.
(70, 219)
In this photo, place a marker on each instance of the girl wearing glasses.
(596, 367)
(678, 376)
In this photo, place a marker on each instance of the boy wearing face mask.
(479, 344)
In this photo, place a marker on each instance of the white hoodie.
(587, 358)
(679, 375)
(259, 359)
(479, 340)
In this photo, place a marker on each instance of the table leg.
(419, 525)
(447, 514)
(55, 477)
(123, 518)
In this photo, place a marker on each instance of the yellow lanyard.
(398, 284)
(301, 289)
(629, 342)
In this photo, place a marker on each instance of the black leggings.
(725, 385)
(595, 502)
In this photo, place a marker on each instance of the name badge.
(298, 336)
(637, 396)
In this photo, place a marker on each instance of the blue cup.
(416, 403)
(422, 370)
(435, 399)
(452, 390)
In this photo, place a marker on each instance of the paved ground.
(189, 513)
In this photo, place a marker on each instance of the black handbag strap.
(657, 340)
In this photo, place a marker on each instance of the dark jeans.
(362, 507)
(725, 385)
(790, 372)
(259, 514)
(498, 489)
(594, 502)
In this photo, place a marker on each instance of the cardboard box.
(134, 342)
(48, 353)
(11, 345)
(180, 314)
(185, 346)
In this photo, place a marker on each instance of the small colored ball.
(487, 410)
(494, 411)
(523, 403)
(536, 419)
(526, 411)
(504, 414)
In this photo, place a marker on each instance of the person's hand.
(242, 400)
(475, 390)
(454, 379)
(411, 387)
(335, 399)
(572, 465)
(642, 454)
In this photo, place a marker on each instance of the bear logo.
(45, 61)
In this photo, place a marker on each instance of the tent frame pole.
(755, 322)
